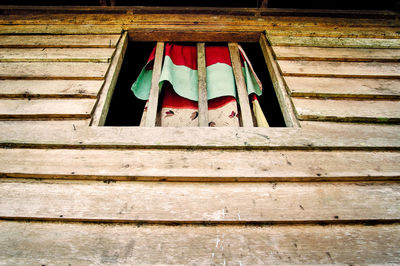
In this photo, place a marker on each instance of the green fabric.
(183, 79)
(141, 87)
(251, 82)
(220, 81)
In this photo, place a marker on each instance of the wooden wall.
(323, 192)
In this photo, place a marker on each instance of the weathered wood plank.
(201, 72)
(339, 69)
(65, 29)
(105, 96)
(183, 35)
(190, 18)
(199, 202)
(336, 32)
(354, 138)
(336, 54)
(46, 41)
(326, 125)
(155, 88)
(199, 10)
(46, 108)
(53, 70)
(44, 123)
(279, 84)
(343, 87)
(87, 243)
(334, 42)
(348, 110)
(202, 165)
(244, 104)
(56, 54)
(50, 88)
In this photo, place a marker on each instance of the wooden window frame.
(161, 36)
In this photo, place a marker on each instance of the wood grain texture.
(336, 54)
(339, 69)
(202, 165)
(107, 91)
(152, 105)
(190, 17)
(46, 108)
(50, 88)
(81, 243)
(281, 92)
(52, 70)
(56, 54)
(348, 110)
(191, 35)
(244, 104)
(376, 14)
(44, 41)
(343, 87)
(203, 98)
(44, 123)
(65, 29)
(357, 137)
(343, 126)
(170, 202)
(335, 42)
(336, 32)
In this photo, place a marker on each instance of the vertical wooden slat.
(104, 98)
(279, 85)
(154, 91)
(203, 98)
(247, 120)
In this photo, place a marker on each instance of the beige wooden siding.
(324, 192)
(341, 79)
(42, 76)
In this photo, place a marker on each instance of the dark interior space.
(126, 110)
(268, 101)
(306, 4)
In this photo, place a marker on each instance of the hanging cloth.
(179, 87)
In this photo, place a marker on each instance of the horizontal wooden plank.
(343, 87)
(56, 54)
(45, 41)
(191, 18)
(56, 29)
(170, 202)
(50, 88)
(347, 110)
(336, 32)
(44, 123)
(193, 36)
(339, 69)
(202, 165)
(335, 42)
(87, 243)
(356, 138)
(46, 108)
(52, 70)
(336, 54)
(327, 125)
(197, 10)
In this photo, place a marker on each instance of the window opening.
(126, 110)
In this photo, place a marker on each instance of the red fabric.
(217, 54)
(172, 100)
(182, 55)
